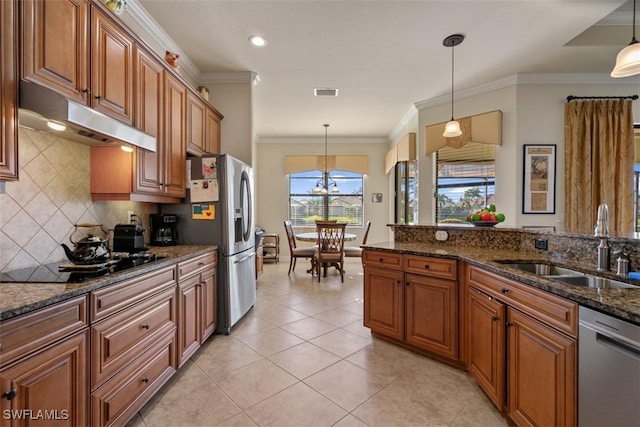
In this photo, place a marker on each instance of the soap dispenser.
(622, 264)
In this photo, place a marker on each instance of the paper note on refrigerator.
(203, 211)
(204, 190)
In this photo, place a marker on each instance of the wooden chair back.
(330, 237)
(291, 238)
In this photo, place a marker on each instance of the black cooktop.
(65, 272)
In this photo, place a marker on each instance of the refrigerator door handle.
(244, 258)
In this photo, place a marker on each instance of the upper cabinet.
(8, 91)
(203, 126)
(75, 49)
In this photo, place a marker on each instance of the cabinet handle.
(508, 324)
(426, 266)
(145, 326)
(9, 395)
(145, 380)
(381, 260)
(201, 264)
(504, 290)
(98, 97)
(86, 90)
(494, 318)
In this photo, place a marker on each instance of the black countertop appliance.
(164, 230)
(128, 238)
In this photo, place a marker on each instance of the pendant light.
(325, 173)
(452, 128)
(628, 59)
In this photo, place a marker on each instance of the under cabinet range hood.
(39, 105)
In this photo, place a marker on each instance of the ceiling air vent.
(325, 91)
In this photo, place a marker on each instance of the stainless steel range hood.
(39, 104)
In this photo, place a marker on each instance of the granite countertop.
(19, 298)
(623, 303)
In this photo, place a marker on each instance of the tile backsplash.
(39, 211)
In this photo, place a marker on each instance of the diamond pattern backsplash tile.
(38, 212)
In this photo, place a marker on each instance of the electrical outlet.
(541, 244)
(130, 217)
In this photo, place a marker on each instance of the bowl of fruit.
(487, 217)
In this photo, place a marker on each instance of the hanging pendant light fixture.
(628, 59)
(325, 172)
(452, 128)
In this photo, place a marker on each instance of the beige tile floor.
(301, 357)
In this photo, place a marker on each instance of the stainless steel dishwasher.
(608, 371)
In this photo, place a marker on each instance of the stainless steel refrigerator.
(232, 229)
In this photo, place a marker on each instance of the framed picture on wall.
(539, 184)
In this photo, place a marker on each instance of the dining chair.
(295, 251)
(356, 251)
(330, 251)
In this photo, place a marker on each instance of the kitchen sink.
(594, 282)
(542, 269)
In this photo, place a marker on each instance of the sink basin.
(542, 269)
(594, 282)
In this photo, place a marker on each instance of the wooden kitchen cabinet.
(8, 91)
(542, 374)
(72, 47)
(412, 299)
(539, 348)
(203, 126)
(44, 362)
(197, 303)
(486, 329)
(146, 176)
(384, 301)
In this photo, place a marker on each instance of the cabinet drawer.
(429, 266)
(382, 259)
(26, 333)
(111, 299)
(197, 265)
(118, 340)
(122, 396)
(548, 308)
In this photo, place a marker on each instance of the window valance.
(358, 164)
(403, 151)
(483, 128)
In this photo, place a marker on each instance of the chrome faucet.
(602, 231)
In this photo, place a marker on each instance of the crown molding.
(400, 129)
(530, 79)
(139, 14)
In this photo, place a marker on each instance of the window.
(406, 190)
(307, 206)
(465, 181)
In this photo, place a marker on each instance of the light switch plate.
(442, 235)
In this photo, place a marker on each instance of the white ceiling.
(384, 56)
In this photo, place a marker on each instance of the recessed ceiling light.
(258, 40)
(56, 125)
(325, 91)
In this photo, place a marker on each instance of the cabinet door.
(195, 125)
(486, 322)
(111, 68)
(55, 47)
(208, 288)
(8, 91)
(175, 153)
(212, 132)
(431, 314)
(384, 301)
(189, 318)
(149, 87)
(53, 381)
(541, 373)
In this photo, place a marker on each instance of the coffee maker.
(164, 230)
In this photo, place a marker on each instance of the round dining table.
(312, 236)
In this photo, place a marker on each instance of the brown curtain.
(599, 163)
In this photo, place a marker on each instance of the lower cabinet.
(49, 386)
(197, 304)
(412, 299)
(509, 347)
